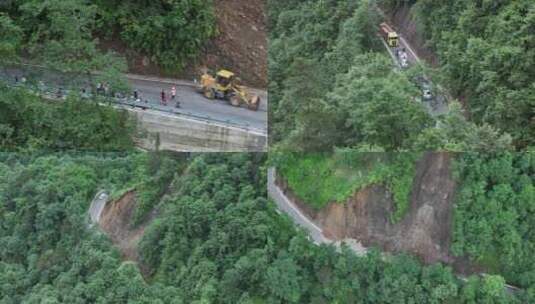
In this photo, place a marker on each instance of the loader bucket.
(254, 103)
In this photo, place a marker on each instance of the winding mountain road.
(285, 205)
(97, 205)
(439, 104)
(315, 232)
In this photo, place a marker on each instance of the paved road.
(97, 205)
(439, 104)
(284, 204)
(315, 232)
(191, 102)
(194, 103)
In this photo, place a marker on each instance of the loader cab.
(224, 79)
(392, 39)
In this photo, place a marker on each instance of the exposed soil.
(240, 46)
(116, 222)
(425, 231)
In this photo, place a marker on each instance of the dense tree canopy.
(332, 85)
(28, 122)
(495, 213)
(216, 240)
(170, 32)
(487, 53)
(66, 34)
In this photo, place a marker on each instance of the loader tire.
(254, 104)
(209, 93)
(235, 100)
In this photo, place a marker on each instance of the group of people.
(173, 97)
(104, 89)
(163, 97)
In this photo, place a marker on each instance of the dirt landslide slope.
(425, 231)
(116, 222)
(242, 41)
(240, 46)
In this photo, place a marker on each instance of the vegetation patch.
(216, 240)
(29, 123)
(322, 178)
(332, 86)
(494, 213)
(65, 34)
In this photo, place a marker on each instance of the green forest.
(322, 178)
(332, 84)
(495, 212)
(216, 239)
(342, 118)
(70, 35)
(493, 207)
(29, 123)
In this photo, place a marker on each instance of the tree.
(455, 133)
(10, 38)
(379, 105)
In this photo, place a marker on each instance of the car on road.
(404, 63)
(427, 94)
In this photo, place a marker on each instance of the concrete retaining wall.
(179, 133)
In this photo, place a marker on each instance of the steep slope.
(116, 221)
(424, 231)
(242, 41)
(241, 45)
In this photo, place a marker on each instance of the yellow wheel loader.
(226, 86)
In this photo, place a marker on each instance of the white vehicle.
(404, 63)
(403, 59)
(427, 95)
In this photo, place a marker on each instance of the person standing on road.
(173, 93)
(106, 89)
(164, 102)
(173, 97)
(136, 95)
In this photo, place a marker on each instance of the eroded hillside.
(242, 41)
(240, 45)
(425, 229)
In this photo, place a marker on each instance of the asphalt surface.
(284, 205)
(314, 231)
(97, 205)
(149, 88)
(439, 104)
(194, 103)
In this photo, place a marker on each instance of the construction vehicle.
(226, 86)
(389, 35)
